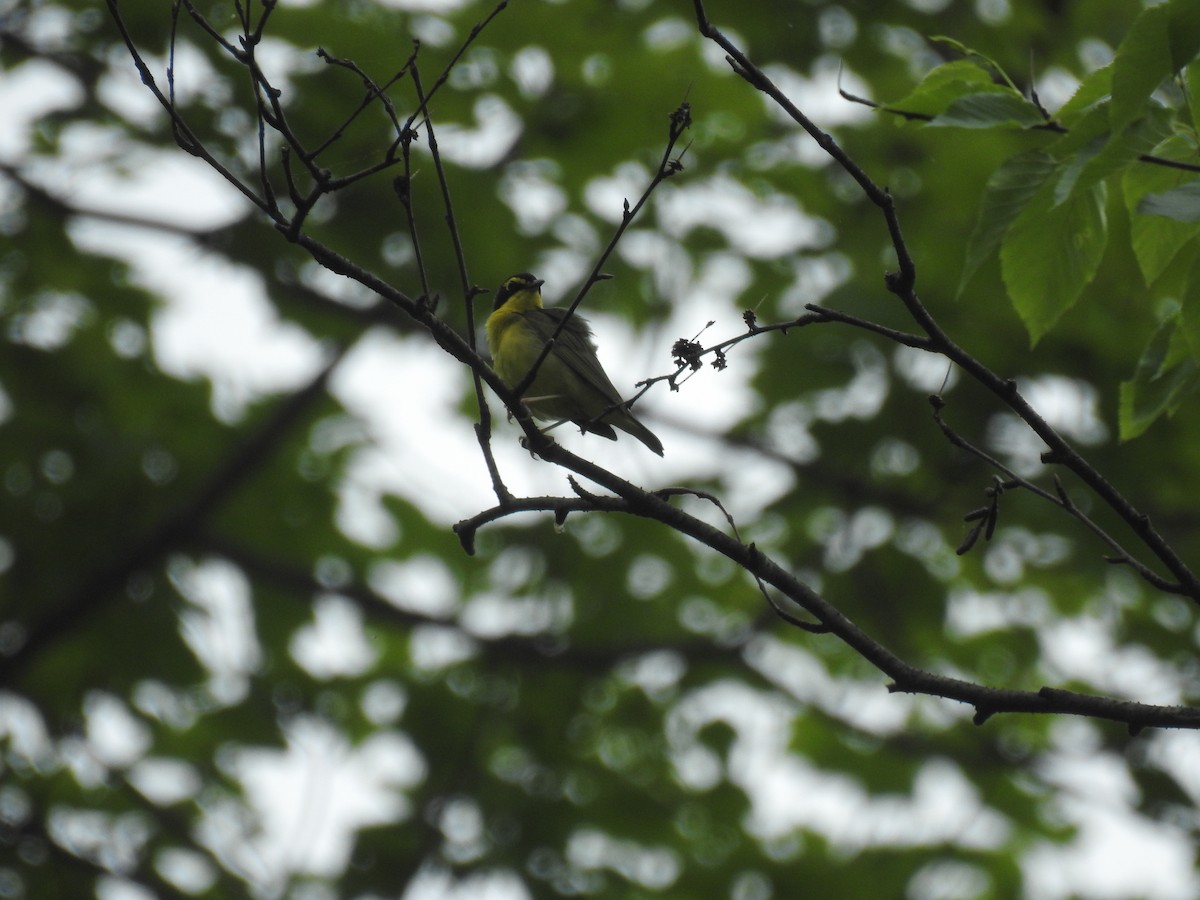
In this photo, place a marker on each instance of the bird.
(570, 384)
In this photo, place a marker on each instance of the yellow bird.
(570, 384)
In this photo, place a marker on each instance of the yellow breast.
(514, 345)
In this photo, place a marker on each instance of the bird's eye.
(512, 285)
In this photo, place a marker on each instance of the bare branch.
(680, 121)
(902, 284)
(906, 678)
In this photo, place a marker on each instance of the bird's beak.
(536, 284)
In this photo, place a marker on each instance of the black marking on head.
(512, 285)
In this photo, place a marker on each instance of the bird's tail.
(627, 423)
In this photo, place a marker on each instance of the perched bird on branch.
(570, 384)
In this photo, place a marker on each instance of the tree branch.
(906, 678)
(902, 284)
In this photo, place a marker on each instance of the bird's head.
(514, 284)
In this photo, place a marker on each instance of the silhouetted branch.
(681, 120)
(906, 678)
(902, 284)
(626, 497)
(1056, 127)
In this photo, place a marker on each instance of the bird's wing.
(580, 356)
(576, 351)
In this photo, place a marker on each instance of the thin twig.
(183, 135)
(789, 617)
(902, 284)
(1060, 499)
(476, 30)
(681, 120)
(374, 92)
(1056, 127)
(906, 678)
(460, 258)
(483, 430)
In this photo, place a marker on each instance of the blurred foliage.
(608, 711)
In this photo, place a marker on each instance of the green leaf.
(1101, 158)
(1191, 76)
(1008, 191)
(1158, 238)
(945, 84)
(1189, 318)
(1181, 204)
(1183, 32)
(1083, 134)
(990, 110)
(1162, 40)
(1141, 64)
(1075, 149)
(1165, 374)
(1050, 253)
(972, 52)
(1095, 87)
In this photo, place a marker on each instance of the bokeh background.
(242, 653)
